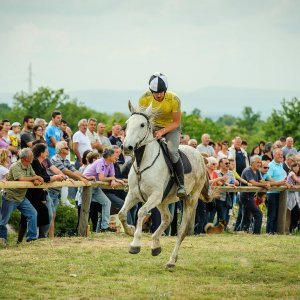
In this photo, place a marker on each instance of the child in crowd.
(235, 173)
(293, 203)
(260, 201)
(4, 162)
(15, 139)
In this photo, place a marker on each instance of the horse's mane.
(149, 111)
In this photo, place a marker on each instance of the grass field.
(209, 267)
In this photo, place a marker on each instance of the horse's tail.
(206, 192)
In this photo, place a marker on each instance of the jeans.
(99, 197)
(118, 204)
(26, 209)
(273, 205)
(221, 210)
(200, 218)
(54, 196)
(238, 222)
(156, 219)
(251, 209)
(50, 206)
(77, 164)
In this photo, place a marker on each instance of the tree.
(284, 122)
(38, 104)
(5, 110)
(226, 120)
(195, 126)
(44, 101)
(249, 120)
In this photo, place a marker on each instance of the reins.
(137, 153)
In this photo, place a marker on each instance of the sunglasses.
(265, 167)
(227, 164)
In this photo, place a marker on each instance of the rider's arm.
(176, 123)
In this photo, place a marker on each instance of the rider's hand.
(159, 133)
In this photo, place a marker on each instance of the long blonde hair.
(4, 157)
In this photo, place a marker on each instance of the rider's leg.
(173, 139)
(178, 169)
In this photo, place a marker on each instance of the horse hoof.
(170, 266)
(134, 250)
(156, 251)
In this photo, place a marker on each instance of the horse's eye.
(143, 125)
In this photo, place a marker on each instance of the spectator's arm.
(97, 145)
(75, 175)
(55, 170)
(260, 184)
(76, 151)
(101, 177)
(53, 141)
(31, 178)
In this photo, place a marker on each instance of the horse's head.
(138, 127)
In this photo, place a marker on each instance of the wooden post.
(85, 210)
(281, 218)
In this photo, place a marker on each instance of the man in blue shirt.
(276, 172)
(53, 133)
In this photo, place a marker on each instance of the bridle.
(139, 151)
(149, 129)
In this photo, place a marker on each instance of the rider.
(166, 121)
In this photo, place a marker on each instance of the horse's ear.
(131, 108)
(148, 110)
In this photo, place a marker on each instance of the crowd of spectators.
(39, 152)
(268, 164)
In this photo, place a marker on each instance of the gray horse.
(148, 179)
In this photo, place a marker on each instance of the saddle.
(187, 167)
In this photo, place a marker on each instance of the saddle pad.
(187, 167)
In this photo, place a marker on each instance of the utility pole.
(30, 79)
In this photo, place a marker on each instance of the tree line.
(250, 126)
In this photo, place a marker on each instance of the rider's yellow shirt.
(165, 108)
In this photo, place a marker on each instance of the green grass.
(209, 267)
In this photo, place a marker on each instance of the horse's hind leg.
(166, 218)
(152, 202)
(128, 204)
(189, 206)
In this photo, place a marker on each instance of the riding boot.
(178, 170)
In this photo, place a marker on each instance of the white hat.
(15, 124)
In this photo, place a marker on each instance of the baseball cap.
(15, 124)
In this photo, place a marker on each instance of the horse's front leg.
(130, 201)
(166, 219)
(153, 201)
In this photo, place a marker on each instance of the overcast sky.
(96, 44)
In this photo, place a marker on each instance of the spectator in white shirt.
(81, 142)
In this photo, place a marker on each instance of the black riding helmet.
(158, 83)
